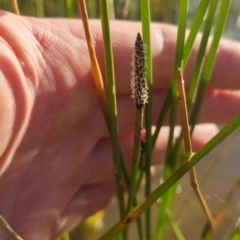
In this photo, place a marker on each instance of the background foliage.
(161, 11)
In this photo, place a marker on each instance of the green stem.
(201, 52)
(170, 164)
(163, 188)
(178, 233)
(8, 229)
(162, 116)
(112, 101)
(136, 157)
(146, 19)
(70, 8)
(209, 65)
(127, 180)
(198, 20)
(39, 8)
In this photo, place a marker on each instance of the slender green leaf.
(209, 65)
(178, 233)
(39, 8)
(70, 6)
(163, 188)
(104, 13)
(161, 118)
(146, 32)
(167, 199)
(202, 49)
(197, 22)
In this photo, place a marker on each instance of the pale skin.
(56, 160)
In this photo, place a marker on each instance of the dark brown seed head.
(138, 83)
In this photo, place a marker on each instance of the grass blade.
(146, 18)
(222, 212)
(109, 114)
(202, 49)
(167, 199)
(163, 188)
(93, 8)
(188, 146)
(15, 8)
(70, 8)
(161, 118)
(39, 8)
(104, 13)
(222, 17)
(9, 230)
(175, 227)
(95, 66)
(197, 22)
(139, 93)
(207, 176)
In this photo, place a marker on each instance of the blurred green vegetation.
(161, 11)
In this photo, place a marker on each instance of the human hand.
(56, 160)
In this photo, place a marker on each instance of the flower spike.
(139, 83)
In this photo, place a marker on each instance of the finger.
(61, 42)
(91, 198)
(57, 50)
(163, 43)
(16, 101)
(100, 164)
(226, 72)
(87, 201)
(219, 107)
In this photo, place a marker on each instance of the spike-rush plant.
(211, 16)
(140, 95)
